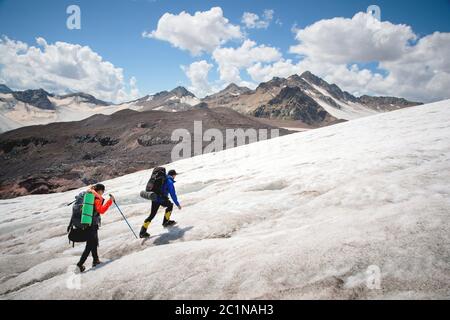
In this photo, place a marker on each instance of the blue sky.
(113, 29)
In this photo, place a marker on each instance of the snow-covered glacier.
(358, 210)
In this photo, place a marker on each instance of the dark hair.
(99, 187)
(172, 173)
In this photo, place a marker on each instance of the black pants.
(91, 245)
(155, 206)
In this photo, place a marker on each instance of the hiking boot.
(144, 235)
(169, 223)
(81, 267)
(96, 263)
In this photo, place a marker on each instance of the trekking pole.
(125, 219)
(71, 203)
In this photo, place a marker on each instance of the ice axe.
(124, 218)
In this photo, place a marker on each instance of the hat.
(172, 173)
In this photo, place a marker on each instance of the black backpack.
(76, 210)
(76, 230)
(156, 181)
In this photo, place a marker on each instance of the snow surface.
(15, 114)
(192, 101)
(297, 217)
(348, 111)
(7, 124)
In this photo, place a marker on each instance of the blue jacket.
(169, 188)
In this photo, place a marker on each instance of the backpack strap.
(69, 227)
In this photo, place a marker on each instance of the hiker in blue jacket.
(167, 189)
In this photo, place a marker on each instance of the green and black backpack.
(82, 215)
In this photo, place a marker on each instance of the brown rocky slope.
(67, 155)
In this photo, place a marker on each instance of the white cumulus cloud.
(362, 38)
(202, 32)
(60, 68)
(232, 60)
(134, 91)
(197, 72)
(260, 72)
(254, 21)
